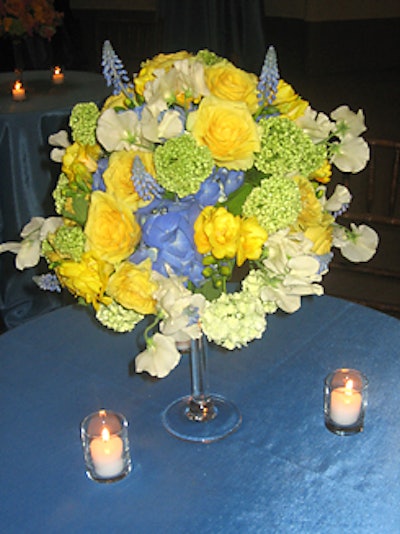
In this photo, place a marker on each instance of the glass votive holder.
(345, 401)
(105, 443)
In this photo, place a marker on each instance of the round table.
(281, 471)
(28, 176)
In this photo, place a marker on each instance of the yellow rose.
(111, 228)
(118, 176)
(321, 235)
(216, 230)
(86, 279)
(228, 130)
(252, 238)
(288, 102)
(226, 81)
(161, 61)
(132, 287)
(311, 208)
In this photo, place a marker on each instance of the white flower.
(316, 125)
(28, 250)
(340, 198)
(59, 139)
(120, 131)
(180, 307)
(156, 131)
(351, 155)
(160, 357)
(358, 244)
(350, 122)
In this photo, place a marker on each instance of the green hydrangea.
(276, 203)
(117, 318)
(69, 241)
(253, 284)
(286, 149)
(83, 122)
(234, 319)
(59, 193)
(182, 165)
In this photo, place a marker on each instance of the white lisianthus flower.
(120, 131)
(348, 121)
(316, 125)
(358, 244)
(351, 154)
(160, 357)
(156, 131)
(180, 307)
(234, 319)
(28, 250)
(59, 139)
(340, 199)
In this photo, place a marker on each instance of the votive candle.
(58, 76)
(18, 91)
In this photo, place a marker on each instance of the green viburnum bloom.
(68, 241)
(234, 319)
(182, 165)
(117, 318)
(59, 193)
(276, 203)
(287, 150)
(208, 58)
(83, 122)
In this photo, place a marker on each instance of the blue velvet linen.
(28, 176)
(282, 471)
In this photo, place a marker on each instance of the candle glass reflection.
(105, 443)
(345, 401)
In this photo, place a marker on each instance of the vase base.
(176, 419)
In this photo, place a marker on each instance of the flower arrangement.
(27, 17)
(193, 174)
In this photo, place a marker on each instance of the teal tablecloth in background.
(28, 176)
(282, 471)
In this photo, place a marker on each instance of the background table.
(28, 176)
(282, 471)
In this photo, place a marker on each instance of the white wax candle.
(18, 91)
(58, 76)
(345, 405)
(106, 452)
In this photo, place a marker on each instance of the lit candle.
(18, 91)
(345, 404)
(107, 454)
(58, 76)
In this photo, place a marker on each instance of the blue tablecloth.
(282, 471)
(28, 176)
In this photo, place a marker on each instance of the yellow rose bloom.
(111, 228)
(118, 176)
(228, 130)
(251, 240)
(288, 102)
(161, 61)
(132, 287)
(86, 279)
(311, 211)
(216, 230)
(226, 81)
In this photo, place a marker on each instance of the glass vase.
(201, 416)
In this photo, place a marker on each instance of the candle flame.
(18, 85)
(349, 386)
(105, 434)
(57, 70)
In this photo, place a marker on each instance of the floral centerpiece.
(194, 174)
(28, 17)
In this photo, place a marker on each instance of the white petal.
(160, 358)
(59, 139)
(353, 154)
